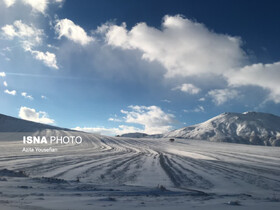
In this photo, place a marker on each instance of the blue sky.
(148, 66)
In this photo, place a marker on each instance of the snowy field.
(125, 173)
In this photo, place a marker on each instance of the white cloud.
(114, 119)
(52, 47)
(220, 96)
(37, 5)
(4, 54)
(188, 88)
(117, 36)
(197, 109)
(9, 31)
(182, 46)
(128, 129)
(2, 74)
(152, 118)
(9, 3)
(43, 97)
(166, 101)
(49, 59)
(31, 114)
(262, 75)
(28, 34)
(70, 30)
(10, 92)
(201, 99)
(189, 49)
(25, 95)
(5, 84)
(8, 49)
(110, 131)
(102, 29)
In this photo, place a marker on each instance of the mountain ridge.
(256, 128)
(13, 124)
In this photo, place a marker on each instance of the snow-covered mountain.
(13, 129)
(12, 124)
(246, 128)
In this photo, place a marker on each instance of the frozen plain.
(124, 173)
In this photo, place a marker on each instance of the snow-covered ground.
(125, 173)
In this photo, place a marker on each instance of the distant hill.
(134, 135)
(140, 135)
(13, 129)
(245, 128)
(12, 124)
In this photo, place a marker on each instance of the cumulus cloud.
(30, 37)
(49, 59)
(9, 3)
(10, 92)
(31, 115)
(189, 49)
(110, 131)
(220, 96)
(184, 47)
(2, 74)
(5, 84)
(262, 75)
(153, 118)
(28, 34)
(43, 97)
(70, 30)
(37, 5)
(117, 36)
(188, 88)
(25, 95)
